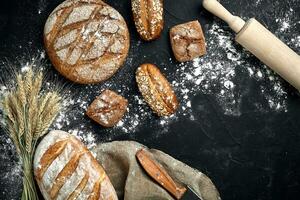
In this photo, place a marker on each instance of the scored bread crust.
(148, 18)
(65, 169)
(108, 108)
(156, 90)
(187, 41)
(87, 41)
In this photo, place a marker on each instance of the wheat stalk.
(28, 113)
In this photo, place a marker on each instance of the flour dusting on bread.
(73, 173)
(87, 41)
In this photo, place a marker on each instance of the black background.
(252, 156)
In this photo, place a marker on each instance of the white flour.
(11, 171)
(216, 74)
(213, 74)
(258, 2)
(42, 4)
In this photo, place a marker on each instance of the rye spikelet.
(21, 90)
(28, 113)
(17, 107)
(7, 108)
(28, 81)
(10, 128)
(10, 122)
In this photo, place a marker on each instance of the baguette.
(65, 169)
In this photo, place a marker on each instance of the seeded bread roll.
(86, 40)
(148, 18)
(65, 169)
(156, 90)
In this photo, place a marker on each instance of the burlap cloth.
(132, 183)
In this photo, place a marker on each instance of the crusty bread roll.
(108, 108)
(187, 41)
(65, 169)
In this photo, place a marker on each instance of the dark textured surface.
(255, 155)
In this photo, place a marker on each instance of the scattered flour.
(214, 74)
(257, 2)
(285, 22)
(42, 4)
(11, 171)
(296, 41)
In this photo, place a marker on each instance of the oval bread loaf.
(65, 169)
(156, 90)
(148, 18)
(86, 40)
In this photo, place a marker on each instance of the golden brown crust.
(79, 188)
(86, 41)
(108, 108)
(66, 172)
(188, 41)
(156, 90)
(96, 191)
(75, 172)
(148, 18)
(49, 156)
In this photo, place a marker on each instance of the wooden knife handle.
(159, 174)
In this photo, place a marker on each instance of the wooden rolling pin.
(253, 36)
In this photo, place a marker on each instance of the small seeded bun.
(148, 18)
(156, 90)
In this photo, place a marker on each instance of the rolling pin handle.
(235, 22)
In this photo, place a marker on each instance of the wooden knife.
(160, 175)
